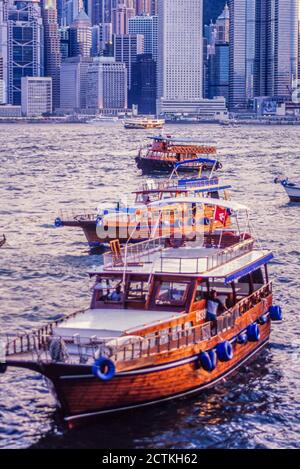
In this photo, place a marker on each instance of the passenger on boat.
(214, 306)
(230, 303)
(116, 295)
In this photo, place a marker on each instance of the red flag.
(221, 215)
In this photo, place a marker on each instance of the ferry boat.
(119, 222)
(292, 189)
(165, 152)
(2, 241)
(164, 322)
(143, 123)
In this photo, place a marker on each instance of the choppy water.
(43, 274)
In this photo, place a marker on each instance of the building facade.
(120, 18)
(36, 96)
(3, 53)
(126, 49)
(144, 84)
(148, 27)
(73, 84)
(52, 53)
(81, 36)
(107, 86)
(180, 56)
(25, 45)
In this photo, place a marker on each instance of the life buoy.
(225, 351)
(104, 369)
(253, 332)
(208, 360)
(276, 313)
(58, 222)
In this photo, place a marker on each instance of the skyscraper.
(143, 7)
(148, 27)
(180, 56)
(126, 49)
(81, 36)
(25, 45)
(264, 49)
(107, 86)
(52, 52)
(3, 53)
(120, 18)
(73, 83)
(143, 84)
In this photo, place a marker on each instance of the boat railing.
(205, 263)
(135, 252)
(179, 184)
(86, 349)
(76, 215)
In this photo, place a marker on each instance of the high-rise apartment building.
(143, 84)
(126, 49)
(180, 56)
(148, 27)
(143, 7)
(52, 53)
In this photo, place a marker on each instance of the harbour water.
(46, 168)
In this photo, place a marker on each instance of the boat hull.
(82, 397)
(293, 192)
(150, 165)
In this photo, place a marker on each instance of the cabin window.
(214, 195)
(201, 292)
(137, 291)
(171, 293)
(109, 290)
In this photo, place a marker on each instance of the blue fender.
(242, 338)
(208, 360)
(263, 319)
(58, 222)
(104, 369)
(225, 351)
(253, 332)
(3, 368)
(276, 313)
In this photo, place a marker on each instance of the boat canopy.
(163, 138)
(229, 204)
(197, 160)
(240, 266)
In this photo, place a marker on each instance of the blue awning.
(249, 268)
(196, 160)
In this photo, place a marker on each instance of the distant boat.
(143, 123)
(166, 152)
(101, 119)
(2, 241)
(292, 189)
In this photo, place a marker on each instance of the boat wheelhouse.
(119, 222)
(164, 322)
(165, 152)
(292, 189)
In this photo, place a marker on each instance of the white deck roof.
(230, 204)
(110, 322)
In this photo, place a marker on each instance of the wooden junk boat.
(292, 189)
(165, 152)
(121, 222)
(2, 241)
(163, 323)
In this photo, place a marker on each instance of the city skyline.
(248, 53)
